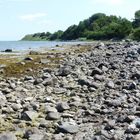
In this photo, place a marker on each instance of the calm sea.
(26, 45)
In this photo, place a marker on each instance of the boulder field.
(92, 95)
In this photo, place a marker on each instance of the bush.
(136, 34)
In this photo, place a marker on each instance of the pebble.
(90, 95)
(68, 128)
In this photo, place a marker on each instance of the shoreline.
(12, 60)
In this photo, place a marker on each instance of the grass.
(16, 69)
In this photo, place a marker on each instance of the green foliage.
(136, 22)
(97, 27)
(71, 33)
(56, 36)
(136, 34)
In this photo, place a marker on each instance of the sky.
(21, 17)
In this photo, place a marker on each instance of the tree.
(56, 36)
(71, 33)
(136, 22)
(136, 34)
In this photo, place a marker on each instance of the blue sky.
(20, 17)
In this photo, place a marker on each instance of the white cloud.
(32, 17)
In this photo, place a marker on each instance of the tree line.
(97, 27)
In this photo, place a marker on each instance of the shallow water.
(33, 45)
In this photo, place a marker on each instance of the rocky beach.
(81, 92)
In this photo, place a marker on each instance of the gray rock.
(2, 100)
(7, 136)
(96, 138)
(29, 115)
(58, 136)
(27, 78)
(46, 75)
(110, 125)
(34, 53)
(132, 86)
(129, 118)
(137, 113)
(137, 137)
(8, 50)
(50, 109)
(115, 103)
(45, 61)
(137, 122)
(38, 81)
(36, 137)
(48, 81)
(59, 90)
(101, 44)
(132, 129)
(16, 107)
(64, 71)
(110, 84)
(96, 71)
(53, 115)
(99, 77)
(94, 84)
(62, 106)
(68, 128)
(28, 59)
(138, 50)
(136, 75)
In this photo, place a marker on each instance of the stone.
(34, 53)
(110, 84)
(129, 118)
(94, 85)
(136, 75)
(16, 107)
(8, 50)
(101, 44)
(38, 81)
(58, 136)
(36, 137)
(68, 128)
(115, 103)
(45, 61)
(96, 138)
(28, 59)
(53, 116)
(137, 122)
(50, 109)
(99, 77)
(59, 90)
(46, 75)
(2, 100)
(7, 136)
(96, 71)
(132, 129)
(110, 125)
(132, 86)
(137, 137)
(27, 78)
(48, 81)
(62, 106)
(64, 71)
(29, 115)
(138, 50)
